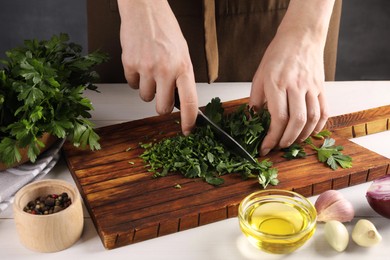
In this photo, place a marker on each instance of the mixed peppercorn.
(45, 205)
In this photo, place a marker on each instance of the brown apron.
(226, 38)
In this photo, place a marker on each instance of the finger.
(313, 116)
(257, 96)
(188, 101)
(147, 88)
(298, 117)
(133, 79)
(323, 113)
(165, 95)
(279, 118)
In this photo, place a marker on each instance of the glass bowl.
(277, 221)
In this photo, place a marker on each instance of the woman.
(280, 45)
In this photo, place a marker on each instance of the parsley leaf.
(344, 161)
(294, 151)
(268, 177)
(214, 110)
(331, 155)
(322, 134)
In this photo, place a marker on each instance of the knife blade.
(224, 137)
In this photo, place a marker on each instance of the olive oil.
(277, 226)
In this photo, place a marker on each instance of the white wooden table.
(221, 240)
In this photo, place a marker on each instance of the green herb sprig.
(41, 91)
(331, 155)
(328, 153)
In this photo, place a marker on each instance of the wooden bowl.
(47, 139)
(53, 232)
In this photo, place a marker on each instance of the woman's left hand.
(290, 81)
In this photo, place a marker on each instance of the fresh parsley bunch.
(41, 91)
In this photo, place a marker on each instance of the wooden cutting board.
(127, 205)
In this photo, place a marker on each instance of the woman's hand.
(290, 77)
(156, 59)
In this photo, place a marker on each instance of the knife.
(224, 137)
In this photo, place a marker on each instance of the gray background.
(364, 41)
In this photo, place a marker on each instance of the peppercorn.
(49, 204)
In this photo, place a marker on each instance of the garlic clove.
(337, 235)
(341, 210)
(365, 233)
(331, 205)
(327, 198)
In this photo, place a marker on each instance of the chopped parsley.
(201, 155)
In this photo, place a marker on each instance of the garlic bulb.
(337, 235)
(331, 205)
(365, 233)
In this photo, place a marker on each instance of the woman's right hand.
(156, 59)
